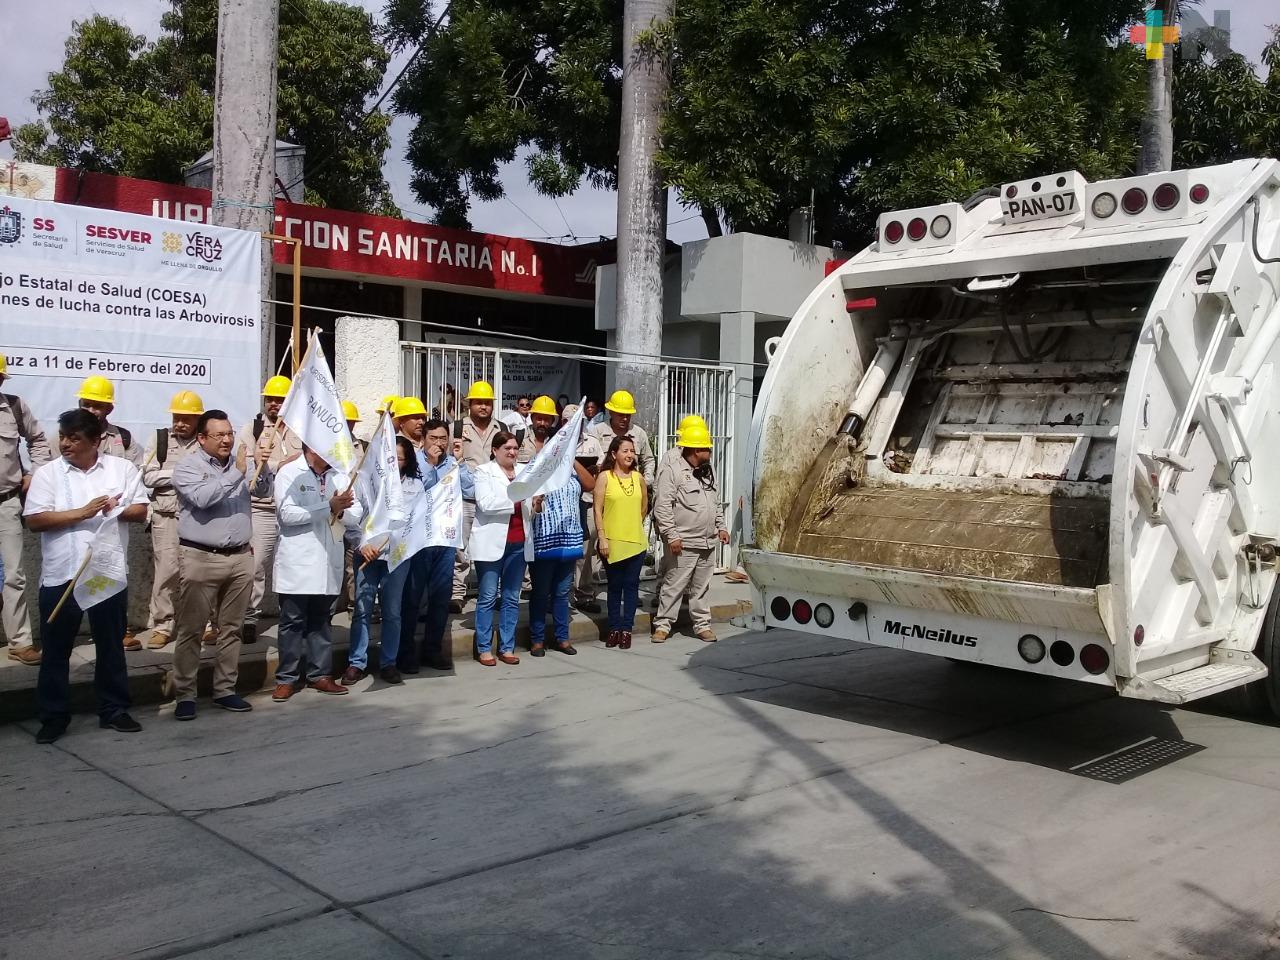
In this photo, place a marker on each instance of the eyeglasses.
(221, 435)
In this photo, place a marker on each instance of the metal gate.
(440, 374)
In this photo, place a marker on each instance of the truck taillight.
(1165, 197)
(941, 226)
(1199, 193)
(801, 612)
(823, 615)
(1104, 205)
(1134, 201)
(1094, 658)
(780, 608)
(916, 228)
(1031, 648)
(893, 231)
(1062, 653)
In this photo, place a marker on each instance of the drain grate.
(1132, 761)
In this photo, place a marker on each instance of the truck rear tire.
(1262, 697)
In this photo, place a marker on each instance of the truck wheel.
(1262, 697)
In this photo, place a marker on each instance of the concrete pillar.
(413, 312)
(737, 349)
(366, 363)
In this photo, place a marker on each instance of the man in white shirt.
(312, 499)
(67, 502)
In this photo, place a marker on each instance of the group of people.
(230, 510)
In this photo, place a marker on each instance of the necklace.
(628, 488)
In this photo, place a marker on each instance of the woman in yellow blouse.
(621, 502)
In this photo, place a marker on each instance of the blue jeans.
(552, 581)
(110, 673)
(624, 592)
(410, 605)
(500, 582)
(438, 577)
(374, 579)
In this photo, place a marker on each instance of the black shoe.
(249, 633)
(121, 723)
(589, 606)
(538, 650)
(390, 675)
(233, 702)
(51, 730)
(565, 648)
(455, 606)
(438, 663)
(410, 668)
(185, 710)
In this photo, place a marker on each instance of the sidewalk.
(149, 669)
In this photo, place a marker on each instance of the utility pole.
(1156, 131)
(642, 208)
(244, 133)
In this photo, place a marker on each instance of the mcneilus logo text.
(916, 631)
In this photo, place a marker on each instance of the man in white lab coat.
(313, 506)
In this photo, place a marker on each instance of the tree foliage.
(1224, 111)
(123, 105)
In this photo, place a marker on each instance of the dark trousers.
(107, 622)
(624, 591)
(438, 579)
(410, 606)
(304, 640)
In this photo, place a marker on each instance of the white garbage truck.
(1040, 430)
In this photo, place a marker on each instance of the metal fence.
(440, 374)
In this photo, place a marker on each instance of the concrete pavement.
(773, 795)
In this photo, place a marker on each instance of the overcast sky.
(32, 47)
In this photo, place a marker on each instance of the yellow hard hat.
(97, 389)
(695, 436)
(186, 402)
(545, 406)
(349, 412)
(408, 407)
(4, 364)
(480, 391)
(622, 402)
(386, 403)
(277, 386)
(691, 420)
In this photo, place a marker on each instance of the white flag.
(378, 485)
(313, 411)
(108, 571)
(552, 468)
(444, 510)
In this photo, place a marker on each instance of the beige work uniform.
(584, 589)
(112, 444)
(17, 424)
(266, 532)
(686, 508)
(477, 450)
(158, 478)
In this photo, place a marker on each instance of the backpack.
(162, 445)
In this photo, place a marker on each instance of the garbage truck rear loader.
(1039, 430)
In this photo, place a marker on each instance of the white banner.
(552, 468)
(444, 510)
(156, 306)
(378, 484)
(313, 411)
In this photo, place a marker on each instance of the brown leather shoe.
(326, 685)
(352, 675)
(131, 642)
(660, 635)
(157, 640)
(624, 640)
(28, 655)
(283, 692)
(509, 658)
(706, 636)
(487, 660)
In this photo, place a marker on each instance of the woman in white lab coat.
(501, 544)
(311, 499)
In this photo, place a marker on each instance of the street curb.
(149, 682)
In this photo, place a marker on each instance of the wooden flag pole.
(333, 524)
(271, 436)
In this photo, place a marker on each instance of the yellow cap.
(408, 407)
(97, 389)
(545, 406)
(186, 402)
(479, 391)
(349, 412)
(277, 386)
(694, 437)
(622, 402)
(386, 403)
